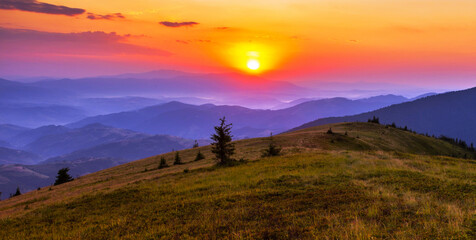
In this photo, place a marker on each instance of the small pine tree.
(195, 144)
(330, 131)
(394, 125)
(199, 156)
(17, 193)
(374, 120)
(63, 176)
(272, 149)
(222, 146)
(177, 160)
(163, 163)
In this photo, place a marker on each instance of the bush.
(330, 131)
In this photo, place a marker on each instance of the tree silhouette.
(222, 146)
(178, 159)
(163, 163)
(199, 156)
(195, 144)
(272, 149)
(17, 193)
(63, 176)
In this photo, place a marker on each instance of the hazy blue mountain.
(8, 156)
(423, 96)
(29, 136)
(197, 121)
(75, 139)
(131, 149)
(11, 91)
(157, 74)
(451, 114)
(7, 131)
(5, 144)
(236, 88)
(116, 104)
(35, 115)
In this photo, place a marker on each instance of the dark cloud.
(112, 16)
(178, 24)
(39, 7)
(31, 42)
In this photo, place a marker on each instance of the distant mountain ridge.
(452, 114)
(197, 121)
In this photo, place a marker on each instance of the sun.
(253, 64)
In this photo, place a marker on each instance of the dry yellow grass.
(376, 182)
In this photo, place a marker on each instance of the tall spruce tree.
(163, 163)
(222, 146)
(178, 159)
(63, 176)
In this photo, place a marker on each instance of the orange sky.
(310, 39)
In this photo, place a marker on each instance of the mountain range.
(197, 121)
(451, 114)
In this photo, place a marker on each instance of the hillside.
(20, 171)
(373, 182)
(451, 114)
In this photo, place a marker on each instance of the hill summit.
(339, 181)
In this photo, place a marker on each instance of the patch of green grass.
(386, 184)
(299, 196)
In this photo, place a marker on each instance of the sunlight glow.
(253, 64)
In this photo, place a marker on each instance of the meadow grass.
(322, 187)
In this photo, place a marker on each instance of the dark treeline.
(454, 141)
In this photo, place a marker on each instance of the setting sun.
(253, 64)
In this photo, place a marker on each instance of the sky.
(309, 42)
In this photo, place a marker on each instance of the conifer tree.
(63, 177)
(222, 146)
(199, 156)
(195, 144)
(17, 193)
(272, 149)
(177, 160)
(163, 163)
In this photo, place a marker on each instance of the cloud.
(112, 16)
(178, 24)
(39, 7)
(18, 42)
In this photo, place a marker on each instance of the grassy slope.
(324, 186)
